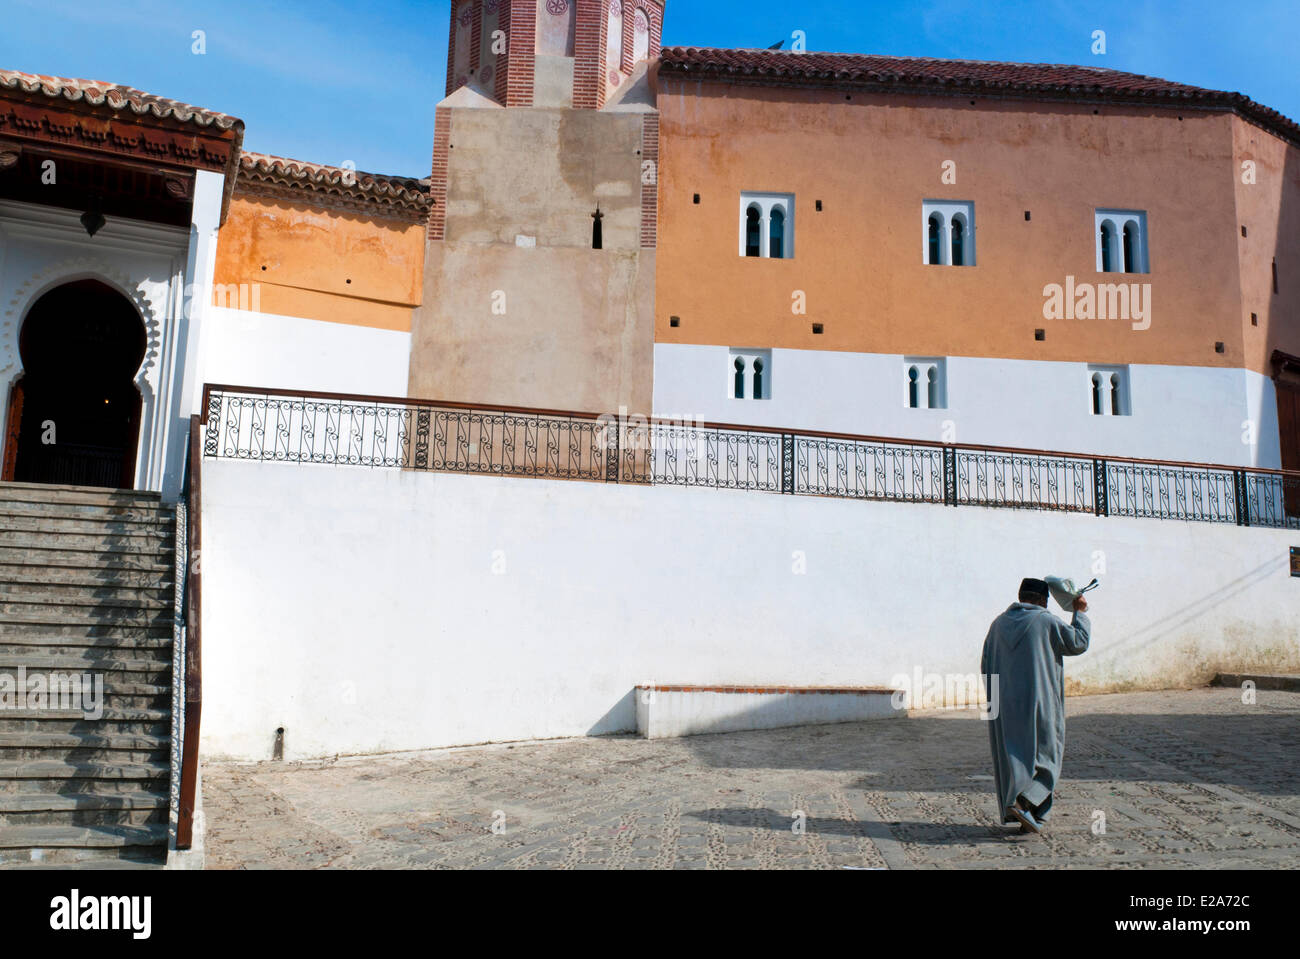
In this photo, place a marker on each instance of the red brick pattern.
(501, 61)
(475, 37)
(650, 191)
(451, 52)
(438, 179)
(589, 55)
(522, 53)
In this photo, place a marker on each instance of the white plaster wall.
(246, 348)
(1192, 414)
(372, 610)
(668, 714)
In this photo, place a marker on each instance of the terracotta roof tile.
(116, 97)
(404, 197)
(920, 74)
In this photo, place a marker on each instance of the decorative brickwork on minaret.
(650, 189)
(521, 54)
(438, 178)
(589, 55)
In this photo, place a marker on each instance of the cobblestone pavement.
(1183, 779)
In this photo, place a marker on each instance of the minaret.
(553, 53)
(539, 266)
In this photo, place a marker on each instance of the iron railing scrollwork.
(386, 432)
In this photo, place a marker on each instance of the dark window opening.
(1130, 264)
(597, 231)
(958, 250)
(776, 235)
(740, 378)
(753, 245)
(1107, 235)
(758, 379)
(1114, 395)
(913, 390)
(936, 223)
(932, 389)
(1096, 395)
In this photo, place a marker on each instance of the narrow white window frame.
(766, 203)
(1115, 385)
(749, 359)
(1118, 220)
(948, 211)
(928, 369)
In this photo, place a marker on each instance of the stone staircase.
(86, 587)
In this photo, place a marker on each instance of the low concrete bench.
(666, 711)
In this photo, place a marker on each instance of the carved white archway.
(26, 295)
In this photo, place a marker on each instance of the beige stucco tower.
(540, 264)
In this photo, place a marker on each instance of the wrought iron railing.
(268, 425)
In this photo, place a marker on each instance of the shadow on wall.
(621, 717)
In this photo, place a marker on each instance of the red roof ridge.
(345, 187)
(115, 96)
(889, 73)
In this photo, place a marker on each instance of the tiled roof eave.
(334, 187)
(1189, 98)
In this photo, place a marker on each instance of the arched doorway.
(74, 416)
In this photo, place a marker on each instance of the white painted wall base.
(661, 714)
(378, 610)
(1193, 414)
(246, 348)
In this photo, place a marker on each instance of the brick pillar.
(438, 178)
(522, 54)
(589, 54)
(475, 38)
(650, 191)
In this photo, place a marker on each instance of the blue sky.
(329, 81)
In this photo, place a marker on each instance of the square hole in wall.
(1026, 216)
(1040, 335)
(818, 328)
(1218, 347)
(675, 321)
(697, 199)
(1254, 319)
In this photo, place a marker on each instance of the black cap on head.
(1035, 586)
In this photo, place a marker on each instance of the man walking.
(1023, 672)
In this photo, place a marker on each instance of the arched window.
(936, 230)
(958, 232)
(1115, 395)
(913, 388)
(753, 232)
(776, 234)
(1097, 408)
(932, 389)
(640, 36)
(614, 47)
(758, 379)
(597, 231)
(1107, 243)
(1130, 266)
(740, 377)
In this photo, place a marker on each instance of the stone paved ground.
(1184, 779)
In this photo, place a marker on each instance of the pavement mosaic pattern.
(1181, 779)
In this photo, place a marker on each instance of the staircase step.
(53, 740)
(136, 715)
(20, 839)
(86, 542)
(12, 631)
(89, 526)
(110, 660)
(87, 597)
(47, 553)
(53, 769)
(77, 615)
(71, 577)
(84, 809)
(92, 495)
(80, 726)
(161, 515)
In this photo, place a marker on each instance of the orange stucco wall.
(1269, 209)
(873, 159)
(321, 264)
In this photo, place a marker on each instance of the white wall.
(1184, 413)
(371, 610)
(246, 348)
